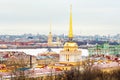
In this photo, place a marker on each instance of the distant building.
(50, 42)
(105, 49)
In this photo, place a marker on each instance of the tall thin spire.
(50, 28)
(70, 26)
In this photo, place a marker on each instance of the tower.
(50, 38)
(70, 53)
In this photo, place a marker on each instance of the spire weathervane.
(70, 27)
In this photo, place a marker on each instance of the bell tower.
(50, 37)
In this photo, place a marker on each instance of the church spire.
(50, 29)
(50, 37)
(70, 26)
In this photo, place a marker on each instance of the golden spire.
(50, 29)
(70, 27)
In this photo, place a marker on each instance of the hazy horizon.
(34, 16)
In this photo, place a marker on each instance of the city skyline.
(34, 16)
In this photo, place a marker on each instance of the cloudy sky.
(34, 16)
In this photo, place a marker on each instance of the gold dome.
(70, 46)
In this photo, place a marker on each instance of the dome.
(70, 46)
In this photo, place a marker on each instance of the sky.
(90, 17)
